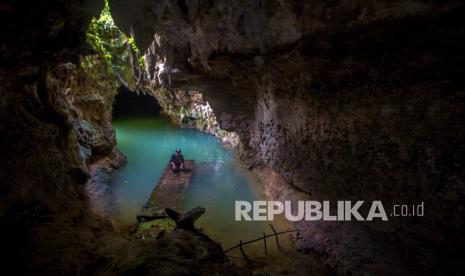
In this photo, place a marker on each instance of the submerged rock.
(99, 186)
(155, 228)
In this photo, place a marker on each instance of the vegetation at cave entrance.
(113, 46)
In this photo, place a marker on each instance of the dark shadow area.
(128, 103)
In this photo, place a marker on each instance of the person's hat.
(178, 150)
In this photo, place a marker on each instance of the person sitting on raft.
(177, 161)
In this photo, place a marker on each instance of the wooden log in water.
(169, 192)
(186, 220)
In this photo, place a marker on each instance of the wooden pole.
(258, 239)
(243, 253)
(275, 235)
(264, 241)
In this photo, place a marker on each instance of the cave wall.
(91, 93)
(56, 100)
(55, 117)
(189, 109)
(337, 100)
(43, 210)
(367, 96)
(364, 127)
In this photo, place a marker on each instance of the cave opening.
(132, 104)
(276, 100)
(150, 122)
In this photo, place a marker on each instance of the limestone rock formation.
(54, 121)
(189, 109)
(329, 99)
(343, 99)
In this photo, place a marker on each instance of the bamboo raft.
(168, 193)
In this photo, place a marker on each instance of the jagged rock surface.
(342, 99)
(339, 100)
(189, 109)
(55, 118)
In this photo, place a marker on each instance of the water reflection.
(148, 145)
(217, 180)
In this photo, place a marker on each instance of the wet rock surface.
(177, 252)
(98, 187)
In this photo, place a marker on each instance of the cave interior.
(321, 100)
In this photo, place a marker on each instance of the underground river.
(217, 181)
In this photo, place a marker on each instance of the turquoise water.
(217, 180)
